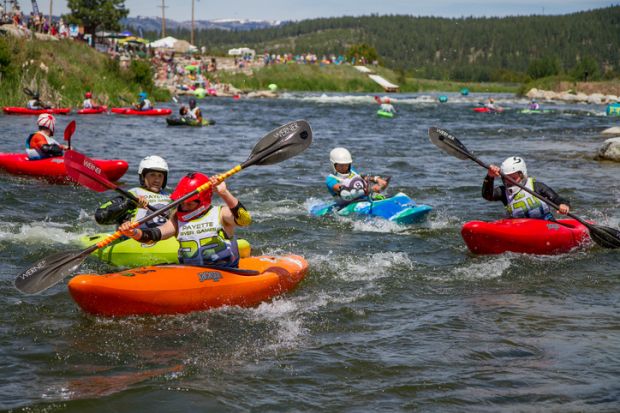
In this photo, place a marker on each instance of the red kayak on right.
(525, 235)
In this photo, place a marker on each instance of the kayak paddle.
(84, 171)
(604, 236)
(278, 145)
(69, 131)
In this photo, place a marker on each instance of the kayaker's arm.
(234, 213)
(114, 211)
(550, 194)
(490, 192)
(149, 235)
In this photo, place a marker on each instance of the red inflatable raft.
(150, 112)
(173, 289)
(528, 236)
(24, 111)
(92, 111)
(53, 169)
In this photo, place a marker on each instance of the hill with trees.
(584, 45)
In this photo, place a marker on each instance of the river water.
(388, 318)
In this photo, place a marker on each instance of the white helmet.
(514, 164)
(153, 163)
(341, 156)
(46, 120)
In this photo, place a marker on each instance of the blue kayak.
(399, 208)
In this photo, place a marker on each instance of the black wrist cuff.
(150, 235)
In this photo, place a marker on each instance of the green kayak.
(131, 253)
(385, 114)
(536, 111)
(176, 121)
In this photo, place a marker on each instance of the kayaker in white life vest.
(153, 175)
(89, 103)
(35, 103)
(345, 184)
(519, 203)
(40, 145)
(143, 102)
(206, 233)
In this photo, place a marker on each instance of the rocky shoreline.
(569, 96)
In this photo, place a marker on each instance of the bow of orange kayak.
(175, 289)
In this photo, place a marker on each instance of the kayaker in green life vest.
(153, 175)
(206, 233)
(519, 203)
(345, 184)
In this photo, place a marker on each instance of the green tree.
(547, 66)
(97, 14)
(587, 69)
(362, 50)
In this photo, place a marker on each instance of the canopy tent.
(134, 40)
(181, 46)
(241, 51)
(165, 43)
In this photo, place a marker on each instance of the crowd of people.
(34, 22)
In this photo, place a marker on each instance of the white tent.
(165, 43)
(241, 52)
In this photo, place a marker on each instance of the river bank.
(63, 70)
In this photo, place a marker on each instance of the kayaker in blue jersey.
(534, 105)
(206, 234)
(153, 175)
(40, 145)
(143, 102)
(345, 184)
(519, 203)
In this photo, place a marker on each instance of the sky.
(180, 10)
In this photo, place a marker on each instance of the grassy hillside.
(296, 77)
(62, 71)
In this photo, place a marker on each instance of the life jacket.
(156, 200)
(203, 241)
(353, 187)
(522, 204)
(88, 104)
(33, 104)
(194, 112)
(147, 105)
(35, 153)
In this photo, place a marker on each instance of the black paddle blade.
(281, 144)
(48, 272)
(448, 143)
(606, 237)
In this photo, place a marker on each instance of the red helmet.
(88, 95)
(187, 184)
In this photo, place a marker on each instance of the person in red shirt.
(40, 144)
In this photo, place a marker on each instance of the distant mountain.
(153, 24)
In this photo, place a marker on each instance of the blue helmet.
(142, 95)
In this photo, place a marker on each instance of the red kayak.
(92, 111)
(527, 236)
(53, 169)
(488, 110)
(150, 112)
(14, 110)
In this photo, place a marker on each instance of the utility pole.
(192, 39)
(163, 18)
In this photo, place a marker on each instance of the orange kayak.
(174, 289)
